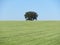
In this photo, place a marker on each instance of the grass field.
(29, 32)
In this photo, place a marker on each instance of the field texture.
(29, 32)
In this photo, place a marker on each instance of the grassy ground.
(29, 32)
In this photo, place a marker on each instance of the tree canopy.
(31, 15)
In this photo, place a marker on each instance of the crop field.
(29, 32)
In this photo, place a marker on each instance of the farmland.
(29, 32)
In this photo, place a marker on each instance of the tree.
(31, 15)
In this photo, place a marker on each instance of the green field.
(29, 32)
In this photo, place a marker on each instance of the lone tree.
(31, 15)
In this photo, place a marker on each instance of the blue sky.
(15, 9)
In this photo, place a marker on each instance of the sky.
(15, 9)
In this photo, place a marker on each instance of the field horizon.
(29, 32)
